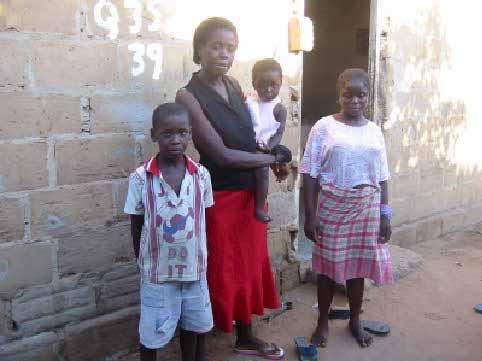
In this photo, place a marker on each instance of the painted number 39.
(106, 16)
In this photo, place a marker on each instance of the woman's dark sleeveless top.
(232, 122)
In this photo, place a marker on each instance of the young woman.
(239, 271)
(345, 177)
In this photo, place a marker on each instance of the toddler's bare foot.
(261, 215)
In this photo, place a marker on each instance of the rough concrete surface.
(430, 312)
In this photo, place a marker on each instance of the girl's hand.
(312, 229)
(385, 230)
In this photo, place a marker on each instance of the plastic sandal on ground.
(376, 327)
(306, 351)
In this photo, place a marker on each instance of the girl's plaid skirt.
(350, 227)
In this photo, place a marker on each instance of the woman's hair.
(204, 30)
(265, 65)
(355, 74)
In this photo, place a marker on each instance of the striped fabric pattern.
(350, 226)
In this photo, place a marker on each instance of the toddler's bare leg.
(261, 193)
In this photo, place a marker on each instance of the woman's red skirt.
(239, 270)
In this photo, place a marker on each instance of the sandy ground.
(430, 312)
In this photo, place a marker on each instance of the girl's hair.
(264, 65)
(353, 73)
(204, 30)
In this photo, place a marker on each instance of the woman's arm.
(280, 114)
(310, 195)
(208, 141)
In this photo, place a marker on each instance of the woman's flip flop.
(270, 351)
(306, 351)
(376, 327)
(478, 308)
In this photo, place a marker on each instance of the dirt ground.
(430, 313)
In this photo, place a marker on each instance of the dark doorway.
(342, 33)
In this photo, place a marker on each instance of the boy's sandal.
(306, 350)
(376, 327)
(478, 308)
(269, 351)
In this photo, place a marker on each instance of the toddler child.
(269, 118)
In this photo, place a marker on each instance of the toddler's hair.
(167, 109)
(264, 65)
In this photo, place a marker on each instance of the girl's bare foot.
(320, 336)
(361, 336)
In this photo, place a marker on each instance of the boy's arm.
(137, 221)
(134, 207)
(280, 114)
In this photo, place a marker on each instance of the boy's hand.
(385, 230)
(312, 229)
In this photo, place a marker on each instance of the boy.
(269, 118)
(166, 200)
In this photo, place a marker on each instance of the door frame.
(374, 59)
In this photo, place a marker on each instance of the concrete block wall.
(430, 119)
(76, 96)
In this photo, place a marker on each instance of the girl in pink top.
(347, 215)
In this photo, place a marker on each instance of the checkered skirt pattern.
(350, 226)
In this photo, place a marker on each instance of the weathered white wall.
(78, 82)
(430, 109)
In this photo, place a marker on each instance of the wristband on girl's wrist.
(386, 211)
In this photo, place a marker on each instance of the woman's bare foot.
(255, 347)
(320, 336)
(361, 336)
(261, 215)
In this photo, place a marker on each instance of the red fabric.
(152, 166)
(239, 271)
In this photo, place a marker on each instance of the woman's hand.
(385, 230)
(281, 153)
(312, 229)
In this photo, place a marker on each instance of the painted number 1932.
(106, 16)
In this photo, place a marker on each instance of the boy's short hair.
(167, 109)
(265, 65)
(204, 30)
(352, 73)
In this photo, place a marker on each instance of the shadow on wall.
(426, 128)
(431, 133)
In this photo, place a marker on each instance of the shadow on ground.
(430, 312)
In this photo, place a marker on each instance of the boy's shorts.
(164, 305)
